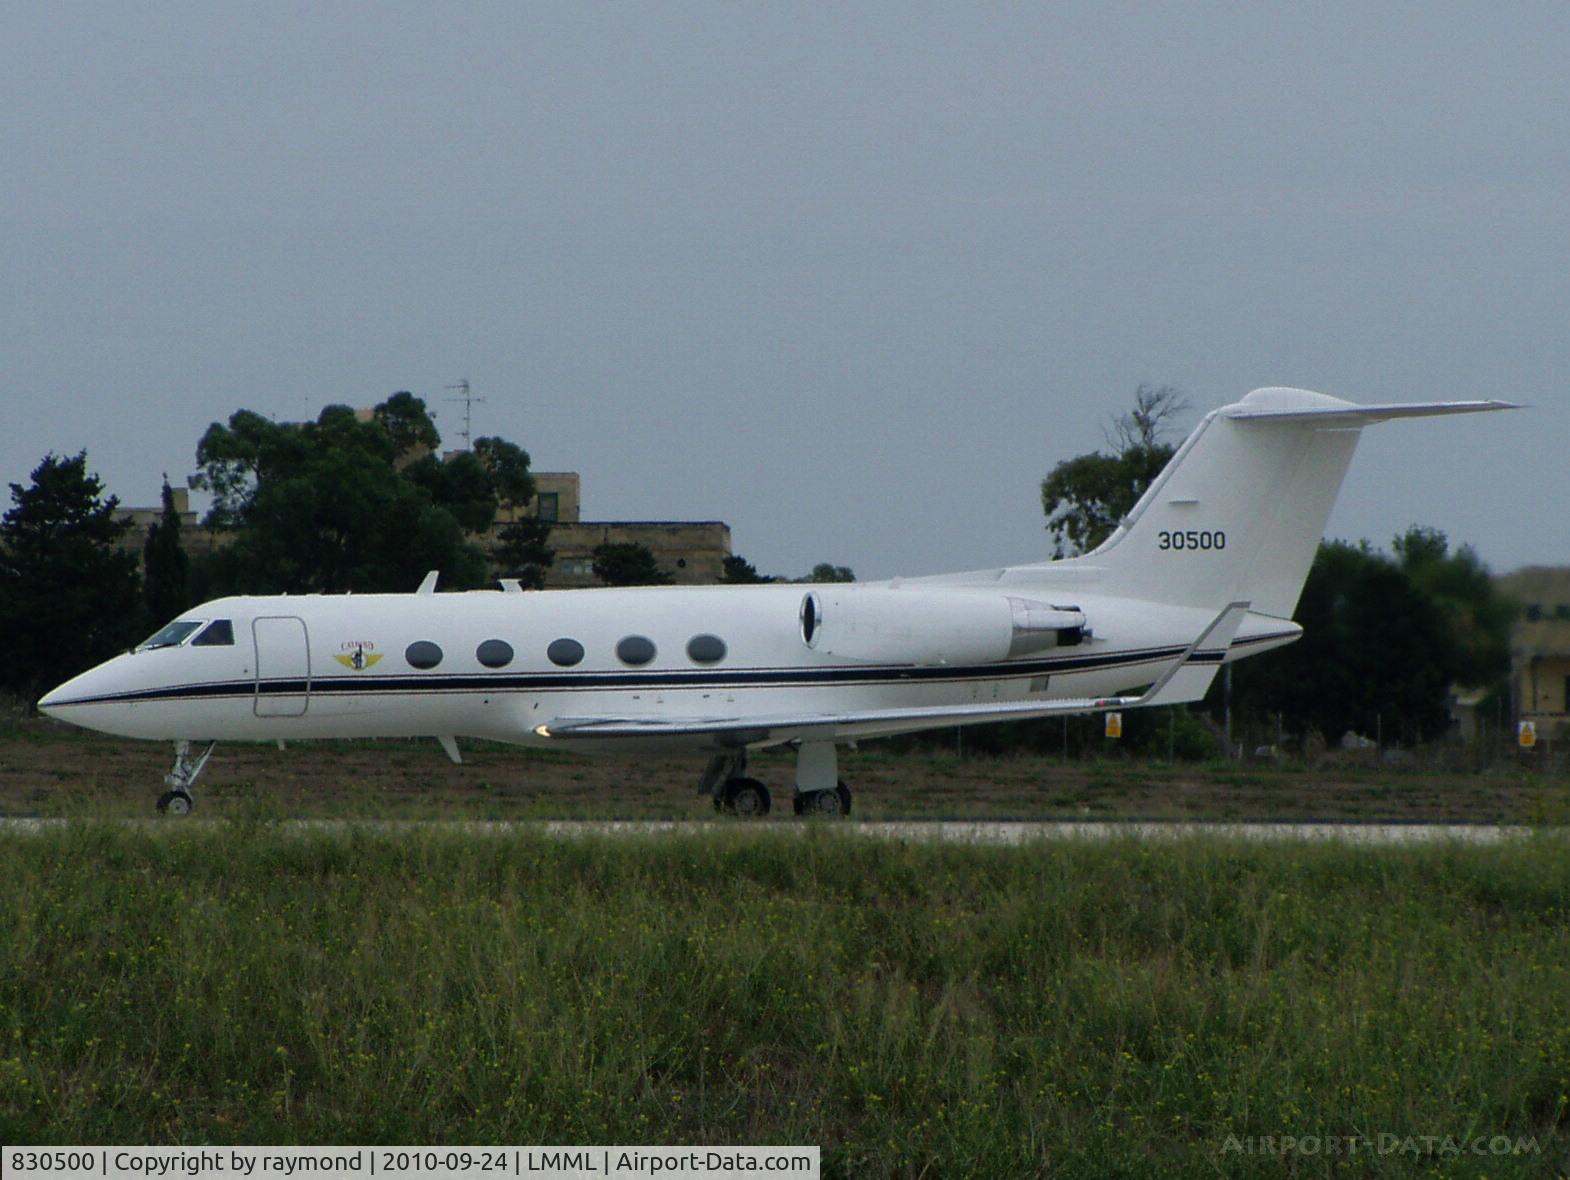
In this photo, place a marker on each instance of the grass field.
(1083, 1009)
(54, 770)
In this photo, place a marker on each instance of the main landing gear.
(819, 789)
(832, 802)
(744, 797)
(188, 768)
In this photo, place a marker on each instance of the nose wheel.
(175, 803)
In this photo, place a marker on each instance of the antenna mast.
(468, 400)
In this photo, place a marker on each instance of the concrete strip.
(953, 831)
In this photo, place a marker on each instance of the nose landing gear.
(187, 769)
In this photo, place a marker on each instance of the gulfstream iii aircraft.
(1206, 568)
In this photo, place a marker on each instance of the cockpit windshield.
(173, 635)
(219, 633)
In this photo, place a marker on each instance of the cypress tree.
(165, 564)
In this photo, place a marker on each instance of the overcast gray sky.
(851, 278)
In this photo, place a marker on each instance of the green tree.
(1085, 497)
(507, 464)
(408, 427)
(738, 571)
(461, 485)
(1375, 654)
(521, 551)
(627, 563)
(471, 484)
(349, 504)
(825, 572)
(1476, 615)
(166, 568)
(69, 595)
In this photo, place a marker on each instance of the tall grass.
(1072, 1008)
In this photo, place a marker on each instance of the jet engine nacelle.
(893, 625)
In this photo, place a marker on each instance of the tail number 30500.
(1191, 539)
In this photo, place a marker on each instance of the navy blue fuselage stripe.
(712, 678)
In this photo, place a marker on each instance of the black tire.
(175, 803)
(746, 798)
(823, 803)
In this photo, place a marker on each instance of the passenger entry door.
(283, 666)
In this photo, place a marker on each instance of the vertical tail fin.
(1238, 513)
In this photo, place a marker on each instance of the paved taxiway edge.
(1005, 832)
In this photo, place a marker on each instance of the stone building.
(1540, 645)
(692, 552)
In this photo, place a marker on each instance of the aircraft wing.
(783, 727)
(771, 728)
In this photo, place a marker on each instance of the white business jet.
(1206, 568)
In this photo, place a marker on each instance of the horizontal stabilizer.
(1299, 405)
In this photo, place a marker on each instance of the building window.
(635, 650)
(422, 653)
(548, 506)
(494, 653)
(564, 653)
(576, 566)
(1534, 612)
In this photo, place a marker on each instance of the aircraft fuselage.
(506, 666)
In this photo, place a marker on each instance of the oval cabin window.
(494, 653)
(635, 650)
(706, 649)
(422, 653)
(564, 653)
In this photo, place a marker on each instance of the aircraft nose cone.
(50, 702)
(79, 701)
(63, 700)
